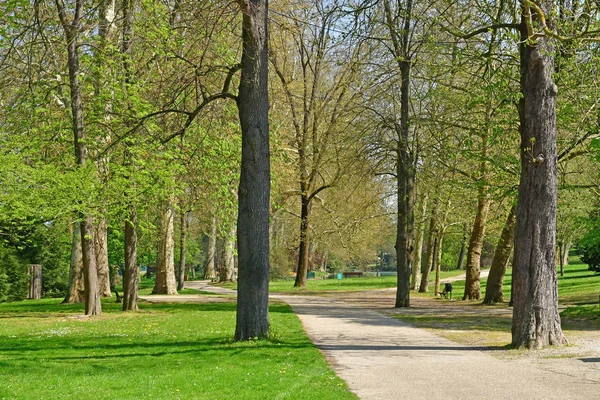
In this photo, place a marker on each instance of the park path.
(383, 358)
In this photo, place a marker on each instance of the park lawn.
(320, 286)
(49, 350)
(475, 324)
(578, 286)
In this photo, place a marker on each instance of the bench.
(353, 274)
(447, 291)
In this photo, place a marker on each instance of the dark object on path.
(119, 298)
(447, 290)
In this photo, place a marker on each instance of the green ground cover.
(476, 324)
(166, 351)
(577, 286)
(317, 286)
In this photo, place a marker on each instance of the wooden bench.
(353, 274)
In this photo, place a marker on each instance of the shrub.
(590, 254)
(13, 276)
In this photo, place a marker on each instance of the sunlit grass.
(317, 286)
(166, 351)
(475, 324)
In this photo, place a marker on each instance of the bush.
(14, 283)
(590, 254)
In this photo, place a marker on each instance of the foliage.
(589, 245)
(13, 276)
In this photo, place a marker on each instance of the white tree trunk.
(165, 266)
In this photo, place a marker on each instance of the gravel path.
(383, 358)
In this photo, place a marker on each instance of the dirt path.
(381, 357)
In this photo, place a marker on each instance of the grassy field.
(578, 286)
(475, 324)
(166, 351)
(316, 286)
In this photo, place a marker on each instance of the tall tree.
(536, 321)
(165, 282)
(493, 289)
(72, 27)
(252, 317)
(400, 23)
(318, 91)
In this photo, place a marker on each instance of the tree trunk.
(72, 30)
(131, 274)
(76, 289)
(252, 318)
(228, 266)
(424, 287)
(35, 282)
(182, 250)
(565, 252)
(90, 273)
(405, 158)
(419, 237)
(536, 321)
(473, 284)
(563, 256)
(165, 264)
(438, 260)
(463, 248)
(101, 251)
(303, 252)
(210, 272)
(493, 289)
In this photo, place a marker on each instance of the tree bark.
(101, 251)
(210, 272)
(76, 289)
(536, 321)
(228, 266)
(419, 237)
(431, 238)
(463, 248)
(182, 250)
(493, 289)
(438, 260)
(252, 317)
(473, 283)
(165, 264)
(35, 282)
(131, 274)
(563, 255)
(405, 158)
(90, 273)
(303, 252)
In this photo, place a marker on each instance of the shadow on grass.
(54, 349)
(54, 308)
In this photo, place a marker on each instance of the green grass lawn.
(577, 286)
(166, 351)
(476, 324)
(317, 286)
